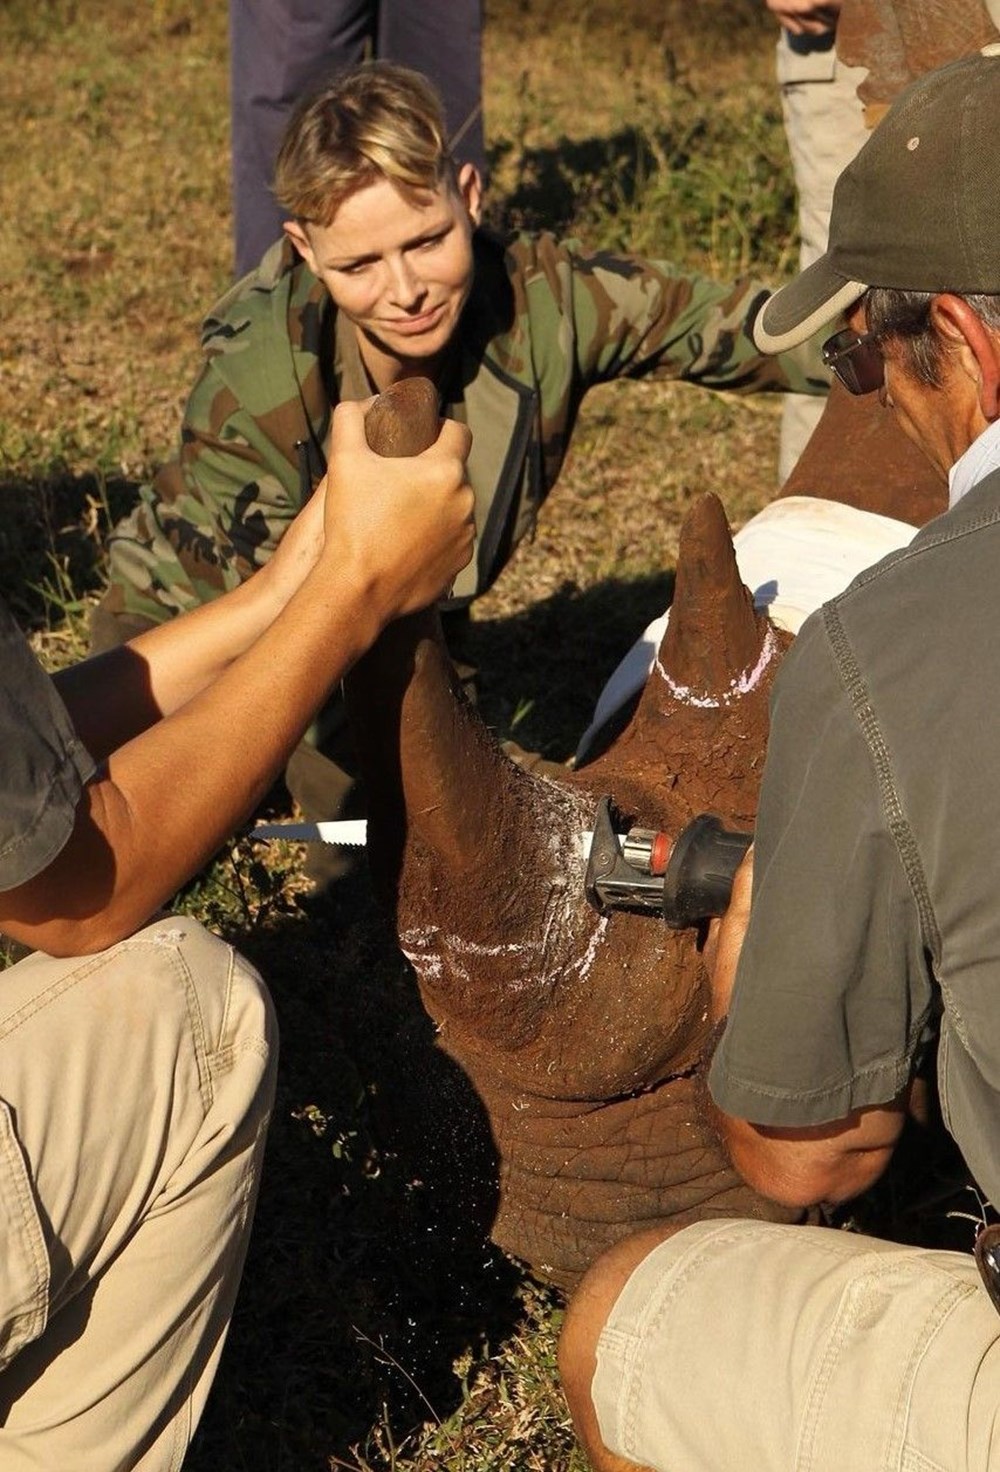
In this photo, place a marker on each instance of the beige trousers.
(741, 1346)
(135, 1089)
(824, 126)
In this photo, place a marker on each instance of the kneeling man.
(874, 922)
(137, 1051)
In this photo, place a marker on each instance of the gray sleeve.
(833, 989)
(43, 766)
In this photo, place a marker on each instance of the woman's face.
(399, 267)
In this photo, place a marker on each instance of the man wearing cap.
(874, 924)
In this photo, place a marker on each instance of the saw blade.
(348, 832)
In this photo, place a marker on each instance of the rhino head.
(899, 40)
(584, 1036)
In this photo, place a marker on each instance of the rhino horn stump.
(412, 725)
(713, 634)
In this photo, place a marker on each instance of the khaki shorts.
(135, 1088)
(750, 1347)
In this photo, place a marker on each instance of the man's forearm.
(114, 696)
(807, 1166)
(172, 795)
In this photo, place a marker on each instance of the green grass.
(375, 1329)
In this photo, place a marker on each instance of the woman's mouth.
(413, 326)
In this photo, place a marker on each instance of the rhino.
(582, 1037)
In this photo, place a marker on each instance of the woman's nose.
(405, 286)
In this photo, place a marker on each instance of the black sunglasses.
(856, 360)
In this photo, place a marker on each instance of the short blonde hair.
(378, 121)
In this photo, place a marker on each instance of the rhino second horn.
(714, 638)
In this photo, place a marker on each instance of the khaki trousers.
(824, 126)
(742, 1346)
(135, 1089)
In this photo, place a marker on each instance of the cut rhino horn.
(714, 637)
(427, 763)
(404, 420)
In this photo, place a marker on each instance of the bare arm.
(807, 1165)
(805, 17)
(169, 796)
(823, 1163)
(114, 696)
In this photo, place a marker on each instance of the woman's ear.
(297, 235)
(470, 187)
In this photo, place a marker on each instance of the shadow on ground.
(540, 671)
(369, 1273)
(556, 186)
(53, 529)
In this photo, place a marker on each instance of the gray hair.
(906, 317)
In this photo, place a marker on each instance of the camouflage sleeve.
(210, 517)
(635, 317)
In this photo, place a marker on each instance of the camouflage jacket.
(544, 322)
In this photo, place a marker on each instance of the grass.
(374, 1329)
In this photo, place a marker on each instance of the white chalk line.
(427, 949)
(740, 686)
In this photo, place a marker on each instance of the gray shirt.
(876, 899)
(43, 766)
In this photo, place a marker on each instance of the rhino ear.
(714, 636)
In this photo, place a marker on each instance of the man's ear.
(470, 187)
(978, 347)
(297, 235)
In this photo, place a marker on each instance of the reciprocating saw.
(686, 881)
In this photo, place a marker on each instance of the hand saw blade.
(349, 832)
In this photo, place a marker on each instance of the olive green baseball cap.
(917, 208)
